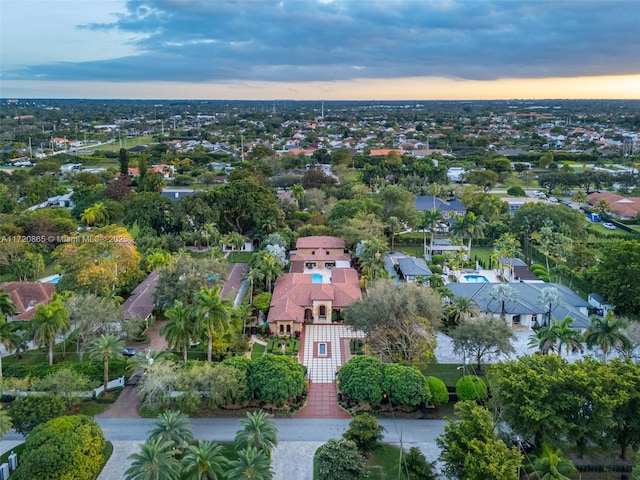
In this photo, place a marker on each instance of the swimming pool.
(476, 279)
(316, 278)
(54, 280)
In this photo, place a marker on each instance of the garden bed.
(275, 346)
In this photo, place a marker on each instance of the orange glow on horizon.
(412, 88)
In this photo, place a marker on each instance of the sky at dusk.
(319, 49)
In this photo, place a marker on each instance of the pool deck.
(488, 274)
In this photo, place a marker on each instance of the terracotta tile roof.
(295, 291)
(320, 242)
(26, 296)
(380, 152)
(621, 206)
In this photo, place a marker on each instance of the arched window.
(288, 328)
(323, 311)
(308, 314)
(281, 328)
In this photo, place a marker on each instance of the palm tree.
(491, 207)
(503, 293)
(550, 465)
(563, 334)
(395, 227)
(251, 464)
(234, 240)
(579, 197)
(104, 349)
(47, 322)
(607, 333)
(172, 427)
(257, 431)
(213, 313)
(253, 275)
(5, 422)
(602, 207)
(297, 192)
(210, 233)
(180, 328)
(204, 461)
(542, 341)
(9, 338)
(155, 461)
(94, 215)
(460, 308)
(430, 219)
(7, 307)
(468, 226)
(270, 268)
(549, 296)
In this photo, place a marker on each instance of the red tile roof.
(26, 296)
(621, 206)
(295, 291)
(320, 242)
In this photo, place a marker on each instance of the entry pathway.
(323, 353)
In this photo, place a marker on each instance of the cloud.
(294, 40)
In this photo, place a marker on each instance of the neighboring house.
(140, 303)
(621, 207)
(443, 245)
(321, 284)
(412, 269)
(516, 202)
(527, 309)
(26, 296)
(448, 208)
(600, 306)
(177, 193)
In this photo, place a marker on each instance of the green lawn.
(383, 463)
(257, 350)
(415, 250)
(126, 143)
(239, 257)
(449, 373)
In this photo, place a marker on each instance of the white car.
(538, 194)
(553, 199)
(609, 226)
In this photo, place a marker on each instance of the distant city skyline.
(320, 49)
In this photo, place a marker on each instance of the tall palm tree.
(550, 465)
(213, 313)
(579, 196)
(543, 341)
(607, 333)
(271, 268)
(253, 275)
(211, 234)
(564, 335)
(180, 329)
(549, 296)
(491, 207)
(297, 192)
(172, 427)
(234, 240)
(251, 464)
(257, 431)
(503, 293)
(602, 207)
(9, 338)
(430, 220)
(104, 349)
(155, 461)
(7, 307)
(48, 321)
(470, 226)
(204, 461)
(395, 227)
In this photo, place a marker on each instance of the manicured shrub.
(365, 431)
(361, 379)
(241, 363)
(439, 259)
(276, 378)
(338, 460)
(438, 389)
(69, 447)
(405, 385)
(471, 387)
(30, 411)
(435, 269)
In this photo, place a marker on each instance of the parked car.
(609, 226)
(129, 352)
(539, 194)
